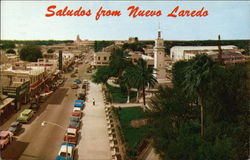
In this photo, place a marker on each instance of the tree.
(30, 53)
(175, 120)
(102, 75)
(142, 77)
(50, 50)
(11, 51)
(7, 45)
(196, 78)
(128, 80)
(119, 63)
(99, 45)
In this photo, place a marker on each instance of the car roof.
(63, 149)
(74, 118)
(26, 111)
(79, 101)
(14, 123)
(73, 123)
(4, 133)
(71, 130)
(76, 109)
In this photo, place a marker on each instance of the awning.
(6, 102)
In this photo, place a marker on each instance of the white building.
(187, 52)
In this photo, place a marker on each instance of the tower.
(159, 57)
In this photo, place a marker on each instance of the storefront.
(20, 92)
(7, 108)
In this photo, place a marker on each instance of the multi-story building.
(230, 53)
(101, 59)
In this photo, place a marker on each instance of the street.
(36, 142)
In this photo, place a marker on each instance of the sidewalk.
(94, 142)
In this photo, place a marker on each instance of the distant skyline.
(26, 20)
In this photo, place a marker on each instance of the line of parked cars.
(67, 149)
(6, 136)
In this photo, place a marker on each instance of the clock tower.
(159, 57)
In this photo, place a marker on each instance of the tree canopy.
(11, 51)
(102, 75)
(30, 53)
(175, 125)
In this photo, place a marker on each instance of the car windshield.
(71, 134)
(63, 154)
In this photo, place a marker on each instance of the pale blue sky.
(26, 20)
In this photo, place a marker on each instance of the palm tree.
(102, 75)
(196, 80)
(127, 81)
(142, 76)
(118, 62)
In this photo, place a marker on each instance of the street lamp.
(51, 123)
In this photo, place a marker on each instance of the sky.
(26, 20)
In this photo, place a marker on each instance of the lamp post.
(51, 123)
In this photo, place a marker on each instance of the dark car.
(74, 124)
(15, 127)
(75, 119)
(81, 96)
(34, 106)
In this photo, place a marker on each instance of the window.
(105, 58)
(99, 58)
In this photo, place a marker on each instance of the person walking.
(93, 101)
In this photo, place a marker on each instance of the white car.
(66, 149)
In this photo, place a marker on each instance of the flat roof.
(6, 102)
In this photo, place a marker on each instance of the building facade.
(187, 52)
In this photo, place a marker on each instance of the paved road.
(94, 144)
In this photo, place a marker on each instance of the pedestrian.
(93, 101)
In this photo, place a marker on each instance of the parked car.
(75, 119)
(81, 96)
(63, 152)
(74, 124)
(79, 106)
(5, 138)
(78, 81)
(79, 101)
(25, 116)
(60, 81)
(34, 106)
(15, 127)
(73, 75)
(77, 112)
(71, 135)
(74, 86)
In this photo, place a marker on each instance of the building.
(19, 92)
(7, 108)
(159, 57)
(38, 77)
(187, 52)
(132, 39)
(101, 59)
(134, 56)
